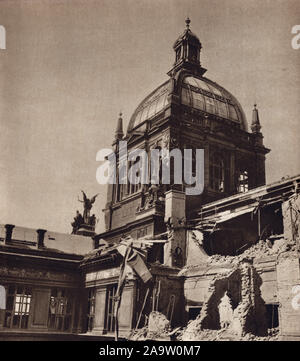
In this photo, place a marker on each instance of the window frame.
(242, 179)
(18, 306)
(110, 303)
(63, 310)
(217, 173)
(91, 306)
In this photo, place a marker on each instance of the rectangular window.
(17, 306)
(91, 309)
(217, 173)
(243, 182)
(60, 310)
(110, 308)
(131, 187)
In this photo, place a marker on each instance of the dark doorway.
(272, 315)
(194, 311)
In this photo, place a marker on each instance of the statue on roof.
(87, 206)
(78, 221)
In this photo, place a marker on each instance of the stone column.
(175, 248)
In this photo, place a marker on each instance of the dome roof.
(153, 104)
(210, 97)
(187, 35)
(196, 92)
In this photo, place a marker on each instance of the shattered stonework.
(249, 316)
(291, 214)
(242, 283)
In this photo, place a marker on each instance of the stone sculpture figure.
(225, 311)
(87, 206)
(78, 221)
(92, 220)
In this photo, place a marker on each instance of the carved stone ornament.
(33, 273)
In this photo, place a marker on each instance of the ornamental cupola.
(187, 52)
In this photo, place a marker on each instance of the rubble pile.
(158, 328)
(248, 317)
(139, 334)
(158, 325)
(263, 248)
(260, 249)
(223, 335)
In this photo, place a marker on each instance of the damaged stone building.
(220, 265)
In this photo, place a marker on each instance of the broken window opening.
(194, 312)
(156, 253)
(272, 315)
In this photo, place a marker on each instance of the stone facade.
(227, 258)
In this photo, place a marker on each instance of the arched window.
(217, 173)
(2, 298)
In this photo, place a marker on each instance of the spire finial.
(119, 131)
(187, 22)
(255, 126)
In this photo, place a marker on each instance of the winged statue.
(87, 206)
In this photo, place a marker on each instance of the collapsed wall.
(209, 317)
(288, 272)
(233, 304)
(228, 289)
(248, 315)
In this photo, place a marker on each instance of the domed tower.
(188, 111)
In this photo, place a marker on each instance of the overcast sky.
(71, 66)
